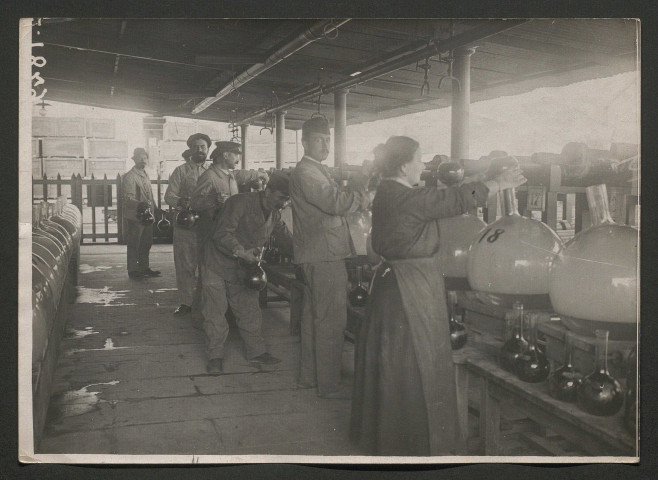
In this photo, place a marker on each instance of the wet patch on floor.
(103, 296)
(76, 402)
(85, 268)
(73, 333)
(109, 345)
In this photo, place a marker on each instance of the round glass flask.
(532, 365)
(599, 393)
(563, 382)
(515, 341)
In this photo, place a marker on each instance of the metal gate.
(101, 202)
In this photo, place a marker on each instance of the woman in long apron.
(404, 401)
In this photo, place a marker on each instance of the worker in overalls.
(243, 229)
(138, 197)
(182, 182)
(219, 182)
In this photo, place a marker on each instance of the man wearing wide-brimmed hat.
(322, 242)
(138, 195)
(182, 183)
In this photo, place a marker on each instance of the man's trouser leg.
(214, 307)
(133, 233)
(186, 261)
(323, 324)
(244, 303)
(145, 242)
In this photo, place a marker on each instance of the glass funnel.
(599, 393)
(563, 382)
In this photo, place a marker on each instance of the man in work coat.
(322, 242)
(182, 182)
(243, 229)
(137, 193)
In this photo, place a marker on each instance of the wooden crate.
(44, 127)
(216, 131)
(178, 130)
(64, 166)
(583, 357)
(71, 127)
(171, 151)
(108, 149)
(63, 147)
(100, 128)
(168, 166)
(107, 166)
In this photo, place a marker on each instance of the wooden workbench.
(599, 436)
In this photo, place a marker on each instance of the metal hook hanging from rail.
(319, 113)
(426, 84)
(449, 60)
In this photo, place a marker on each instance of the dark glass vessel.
(359, 295)
(531, 365)
(599, 393)
(515, 343)
(563, 382)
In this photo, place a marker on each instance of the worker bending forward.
(215, 186)
(322, 242)
(182, 183)
(243, 229)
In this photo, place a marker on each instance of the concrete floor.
(131, 377)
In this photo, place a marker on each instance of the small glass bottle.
(515, 342)
(599, 393)
(531, 365)
(563, 382)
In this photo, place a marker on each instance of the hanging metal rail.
(395, 63)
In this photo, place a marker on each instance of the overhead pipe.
(399, 61)
(310, 35)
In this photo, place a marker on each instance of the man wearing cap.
(219, 182)
(137, 193)
(182, 182)
(242, 230)
(322, 242)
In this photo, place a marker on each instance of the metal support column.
(280, 129)
(340, 127)
(461, 100)
(243, 139)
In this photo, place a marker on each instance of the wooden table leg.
(461, 381)
(489, 421)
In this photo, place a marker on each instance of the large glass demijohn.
(593, 280)
(456, 233)
(509, 260)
